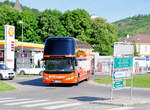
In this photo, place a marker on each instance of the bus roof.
(59, 46)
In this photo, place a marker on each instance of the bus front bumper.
(71, 79)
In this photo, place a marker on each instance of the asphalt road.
(32, 94)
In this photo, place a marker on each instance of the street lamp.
(21, 22)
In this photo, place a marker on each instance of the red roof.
(141, 38)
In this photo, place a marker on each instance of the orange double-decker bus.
(64, 62)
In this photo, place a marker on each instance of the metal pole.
(22, 36)
(112, 79)
(131, 85)
(131, 91)
(22, 44)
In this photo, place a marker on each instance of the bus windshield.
(59, 65)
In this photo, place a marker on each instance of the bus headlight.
(45, 78)
(69, 78)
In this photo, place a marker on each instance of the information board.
(123, 49)
(123, 62)
(122, 66)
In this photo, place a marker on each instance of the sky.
(112, 10)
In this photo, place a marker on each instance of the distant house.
(83, 46)
(93, 17)
(142, 43)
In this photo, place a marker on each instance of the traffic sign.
(22, 54)
(119, 84)
(123, 49)
(123, 62)
(122, 65)
(121, 74)
(147, 58)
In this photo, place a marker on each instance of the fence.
(141, 65)
(103, 64)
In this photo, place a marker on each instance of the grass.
(138, 81)
(6, 87)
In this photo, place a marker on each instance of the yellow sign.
(11, 32)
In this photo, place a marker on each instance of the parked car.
(35, 70)
(6, 73)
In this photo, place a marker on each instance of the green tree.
(30, 25)
(135, 50)
(33, 10)
(78, 24)
(103, 37)
(49, 24)
(8, 16)
(1, 3)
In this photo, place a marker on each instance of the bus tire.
(87, 78)
(11, 78)
(77, 83)
(22, 72)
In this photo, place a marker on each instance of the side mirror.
(76, 62)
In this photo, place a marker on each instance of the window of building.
(146, 48)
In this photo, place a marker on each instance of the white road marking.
(61, 106)
(122, 108)
(13, 100)
(42, 104)
(25, 102)
(6, 98)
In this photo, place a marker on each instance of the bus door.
(83, 67)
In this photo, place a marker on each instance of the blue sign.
(147, 58)
(22, 54)
(121, 74)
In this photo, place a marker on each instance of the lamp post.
(21, 22)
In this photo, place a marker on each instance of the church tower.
(18, 5)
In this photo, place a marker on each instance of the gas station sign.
(9, 51)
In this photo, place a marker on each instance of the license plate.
(57, 81)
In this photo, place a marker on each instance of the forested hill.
(133, 25)
(7, 2)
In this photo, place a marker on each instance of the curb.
(120, 101)
(123, 102)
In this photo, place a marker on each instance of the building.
(31, 55)
(18, 6)
(83, 46)
(142, 43)
(93, 17)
